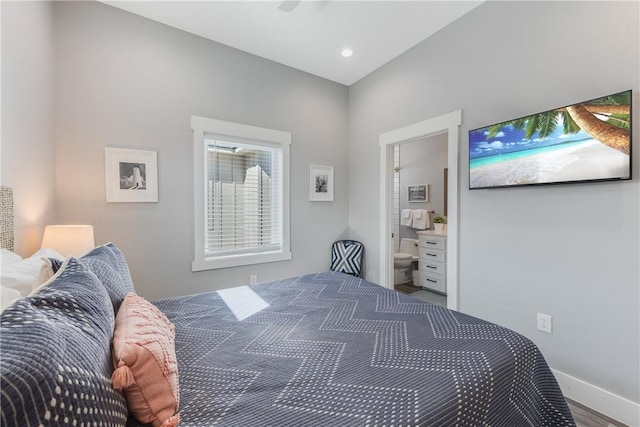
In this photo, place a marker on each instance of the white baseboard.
(607, 403)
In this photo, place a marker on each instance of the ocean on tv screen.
(550, 147)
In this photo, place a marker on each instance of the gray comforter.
(330, 349)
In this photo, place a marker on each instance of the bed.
(323, 349)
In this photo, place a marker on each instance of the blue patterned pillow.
(55, 365)
(346, 257)
(108, 263)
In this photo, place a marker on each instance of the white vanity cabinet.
(432, 261)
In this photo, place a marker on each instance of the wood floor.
(406, 288)
(586, 417)
(583, 416)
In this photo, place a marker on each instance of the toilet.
(403, 261)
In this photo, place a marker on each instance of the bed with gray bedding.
(324, 349)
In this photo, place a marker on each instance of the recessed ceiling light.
(346, 52)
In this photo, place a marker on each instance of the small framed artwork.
(418, 193)
(321, 183)
(131, 175)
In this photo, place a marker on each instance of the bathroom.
(420, 189)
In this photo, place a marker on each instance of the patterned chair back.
(346, 257)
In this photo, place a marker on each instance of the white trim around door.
(449, 123)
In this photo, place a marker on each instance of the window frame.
(221, 129)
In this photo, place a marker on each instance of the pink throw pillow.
(145, 361)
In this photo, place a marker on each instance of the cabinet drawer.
(428, 254)
(436, 282)
(431, 266)
(434, 242)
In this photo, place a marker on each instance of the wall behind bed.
(28, 150)
(571, 251)
(122, 80)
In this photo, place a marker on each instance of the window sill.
(239, 260)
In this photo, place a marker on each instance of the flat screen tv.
(584, 142)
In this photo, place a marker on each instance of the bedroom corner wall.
(27, 118)
(570, 251)
(126, 81)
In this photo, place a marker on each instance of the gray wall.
(525, 250)
(122, 80)
(27, 119)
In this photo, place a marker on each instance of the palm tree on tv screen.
(612, 129)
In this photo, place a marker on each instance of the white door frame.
(449, 123)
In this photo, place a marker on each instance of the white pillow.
(7, 297)
(24, 275)
(9, 257)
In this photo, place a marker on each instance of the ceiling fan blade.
(288, 5)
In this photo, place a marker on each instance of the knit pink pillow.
(145, 360)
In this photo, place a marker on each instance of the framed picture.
(418, 193)
(131, 175)
(321, 184)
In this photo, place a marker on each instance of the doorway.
(449, 124)
(420, 164)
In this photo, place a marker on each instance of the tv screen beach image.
(581, 142)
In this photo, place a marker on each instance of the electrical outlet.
(544, 323)
(253, 279)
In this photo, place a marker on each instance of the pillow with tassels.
(145, 361)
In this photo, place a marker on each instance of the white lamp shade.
(69, 240)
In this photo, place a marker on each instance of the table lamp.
(69, 240)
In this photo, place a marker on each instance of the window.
(241, 181)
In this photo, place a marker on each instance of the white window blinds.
(244, 198)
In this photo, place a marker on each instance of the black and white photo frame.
(418, 193)
(131, 175)
(321, 183)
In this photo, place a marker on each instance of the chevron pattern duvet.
(330, 349)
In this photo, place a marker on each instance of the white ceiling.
(311, 37)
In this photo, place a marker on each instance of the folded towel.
(421, 220)
(406, 217)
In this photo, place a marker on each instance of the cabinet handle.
(432, 281)
(431, 266)
(431, 254)
(431, 243)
